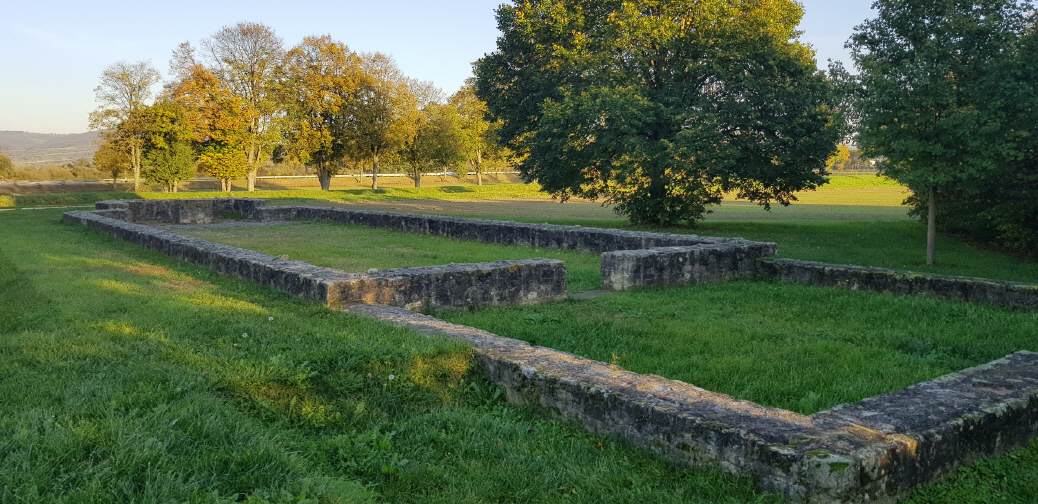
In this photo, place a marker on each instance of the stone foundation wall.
(491, 231)
(186, 211)
(974, 290)
(453, 286)
(629, 269)
(873, 450)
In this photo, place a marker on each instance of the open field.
(356, 249)
(176, 384)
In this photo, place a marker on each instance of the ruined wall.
(453, 285)
(629, 269)
(974, 290)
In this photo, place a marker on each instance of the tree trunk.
(931, 229)
(325, 177)
(172, 187)
(479, 167)
(135, 163)
(374, 172)
(253, 158)
(417, 176)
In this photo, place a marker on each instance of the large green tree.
(938, 89)
(661, 106)
(168, 156)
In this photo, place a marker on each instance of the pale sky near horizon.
(54, 51)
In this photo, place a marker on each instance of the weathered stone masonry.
(454, 285)
(873, 450)
(974, 290)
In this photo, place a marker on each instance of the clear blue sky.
(53, 51)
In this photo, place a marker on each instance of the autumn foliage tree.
(321, 78)
(246, 58)
(383, 115)
(478, 135)
(217, 123)
(661, 107)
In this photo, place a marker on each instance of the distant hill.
(29, 149)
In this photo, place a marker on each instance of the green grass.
(359, 248)
(152, 391)
(128, 376)
(795, 347)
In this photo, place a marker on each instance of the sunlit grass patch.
(796, 347)
(357, 249)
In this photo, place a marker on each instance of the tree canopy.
(321, 76)
(6, 168)
(661, 107)
(940, 90)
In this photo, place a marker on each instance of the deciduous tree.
(436, 142)
(170, 165)
(662, 106)
(927, 106)
(246, 58)
(112, 158)
(478, 134)
(217, 121)
(124, 88)
(383, 115)
(321, 76)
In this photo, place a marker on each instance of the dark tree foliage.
(947, 104)
(661, 106)
(1000, 206)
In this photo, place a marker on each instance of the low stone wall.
(975, 290)
(450, 286)
(629, 269)
(876, 449)
(459, 285)
(186, 211)
(492, 231)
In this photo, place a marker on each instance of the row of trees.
(663, 107)
(242, 100)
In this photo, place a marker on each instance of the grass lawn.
(176, 384)
(797, 347)
(128, 376)
(359, 248)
